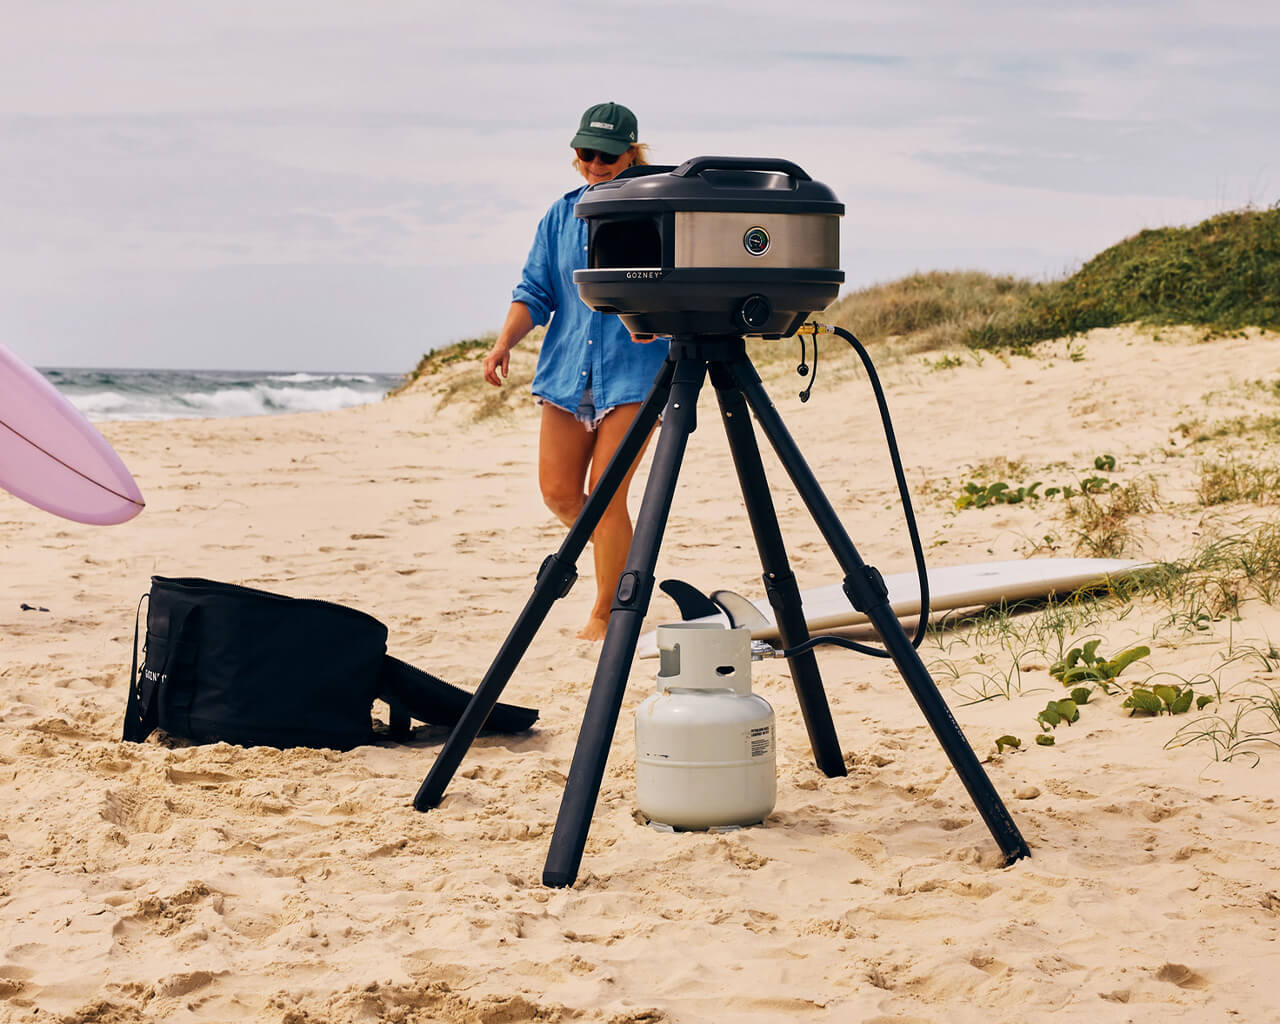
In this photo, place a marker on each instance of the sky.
(326, 185)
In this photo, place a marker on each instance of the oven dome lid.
(713, 183)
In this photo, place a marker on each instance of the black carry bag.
(228, 663)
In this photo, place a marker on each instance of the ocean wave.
(262, 399)
(100, 403)
(164, 394)
(315, 400)
(322, 378)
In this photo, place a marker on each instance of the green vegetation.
(452, 374)
(1248, 718)
(1233, 708)
(1056, 712)
(1223, 273)
(1232, 479)
(1101, 517)
(947, 361)
(932, 311)
(467, 350)
(1084, 664)
(1265, 427)
(977, 494)
(1162, 699)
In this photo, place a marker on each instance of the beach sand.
(167, 882)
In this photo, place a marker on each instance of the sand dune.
(168, 882)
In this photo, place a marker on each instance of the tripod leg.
(867, 592)
(555, 577)
(779, 581)
(635, 586)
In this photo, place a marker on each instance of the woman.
(592, 375)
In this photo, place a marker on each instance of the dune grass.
(433, 362)
(1234, 479)
(1222, 274)
(453, 374)
(1005, 651)
(931, 311)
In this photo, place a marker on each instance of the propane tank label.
(762, 741)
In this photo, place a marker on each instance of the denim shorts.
(586, 413)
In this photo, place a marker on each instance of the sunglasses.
(588, 155)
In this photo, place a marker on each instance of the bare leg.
(564, 453)
(571, 457)
(612, 538)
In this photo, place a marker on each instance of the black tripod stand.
(738, 389)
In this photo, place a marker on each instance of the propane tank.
(705, 754)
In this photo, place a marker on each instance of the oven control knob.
(754, 312)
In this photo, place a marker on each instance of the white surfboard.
(827, 609)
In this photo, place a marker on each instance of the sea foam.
(183, 394)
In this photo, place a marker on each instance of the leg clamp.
(563, 575)
(633, 593)
(873, 588)
(778, 587)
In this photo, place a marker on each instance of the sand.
(168, 882)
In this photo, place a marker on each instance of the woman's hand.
(519, 322)
(497, 361)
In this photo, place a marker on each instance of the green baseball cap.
(606, 126)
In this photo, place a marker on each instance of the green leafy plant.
(981, 495)
(1084, 664)
(1012, 742)
(1089, 485)
(1056, 712)
(1159, 700)
(976, 495)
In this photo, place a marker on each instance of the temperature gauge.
(756, 241)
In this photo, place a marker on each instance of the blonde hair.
(639, 157)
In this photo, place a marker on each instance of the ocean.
(183, 394)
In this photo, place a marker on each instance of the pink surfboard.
(53, 457)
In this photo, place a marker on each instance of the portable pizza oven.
(718, 245)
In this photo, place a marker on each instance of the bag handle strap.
(134, 712)
(141, 713)
(412, 693)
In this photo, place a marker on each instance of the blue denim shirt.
(580, 344)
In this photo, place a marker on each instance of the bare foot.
(594, 629)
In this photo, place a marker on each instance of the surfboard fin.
(691, 601)
(741, 611)
(726, 604)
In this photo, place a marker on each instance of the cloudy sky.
(326, 185)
